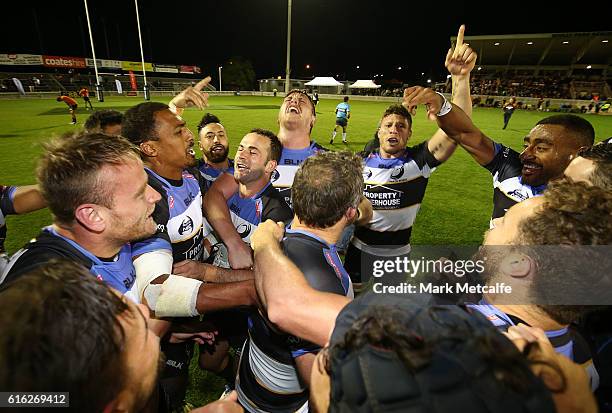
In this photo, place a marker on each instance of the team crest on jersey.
(171, 201)
(518, 194)
(99, 277)
(188, 175)
(275, 175)
(397, 172)
(186, 226)
(367, 173)
(244, 230)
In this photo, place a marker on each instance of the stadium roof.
(543, 49)
(364, 84)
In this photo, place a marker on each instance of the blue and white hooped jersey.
(248, 213)
(7, 194)
(291, 159)
(178, 215)
(117, 272)
(396, 188)
(509, 188)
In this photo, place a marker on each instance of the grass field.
(455, 211)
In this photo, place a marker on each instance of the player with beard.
(215, 148)
(548, 149)
(97, 191)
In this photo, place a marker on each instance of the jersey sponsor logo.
(171, 201)
(161, 228)
(275, 175)
(244, 230)
(189, 199)
(195, 252)
(517, 193)
(367, 173)
(235, 209)
(186, 226)
(129, 281)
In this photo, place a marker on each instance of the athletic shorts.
(341, 122)
(74, 107)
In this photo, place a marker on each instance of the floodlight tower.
(288, 68)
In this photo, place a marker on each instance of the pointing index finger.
(202, 83)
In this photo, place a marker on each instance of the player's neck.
(94, 243)
(253, 188)
(165, 171)
(224, 164)
(396, 155)
(532, 315)
(331, 235)
(294, 138)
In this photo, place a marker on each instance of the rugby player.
(104, 121)
(72, 104)
(396, 176)
(275, 366)
(84, 93)
(548, 149)
(343, 114)
(214, 144)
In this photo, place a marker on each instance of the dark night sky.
(332, 36)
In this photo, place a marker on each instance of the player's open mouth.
(217, 148)
(531, 168)
(393, 141)
(293, 109)
(242, 167)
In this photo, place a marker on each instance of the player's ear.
(270, 166)
(91, 217)
(148, 148)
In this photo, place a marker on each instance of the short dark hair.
(325, 186)
(68, 171)
(398, 110)
(139, 122)
(601, 155)
(346, 98)
(275, 145)
(572, 214)
(303, 93)
(579, 128)
(206, 119)
(60, 332)
(100, 119)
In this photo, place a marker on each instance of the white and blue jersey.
(342, 110)
(178, 215)
(508, 185)
(268, 380)
(118, 272)
(290, 161)
(248, 213)
(565, 341)
(211, 174)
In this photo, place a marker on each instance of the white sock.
(334, 135)
(344, 136)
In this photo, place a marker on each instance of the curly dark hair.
(572, 214)
(601, 155)
(440, 350)
(67, 337)
(100, 119)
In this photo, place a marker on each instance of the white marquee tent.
(323, 81)
(364, 84)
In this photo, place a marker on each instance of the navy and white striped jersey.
(268, 380)
(248, 213)
(211, 174)
(179, 216)
(396, 188)
(117, 272)
(508, 187)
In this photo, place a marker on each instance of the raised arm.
(454, 122)
(192, 96)
(217, 214)
(459, 62)
(28, 198)
(291, 302)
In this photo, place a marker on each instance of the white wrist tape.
(446, 106)
(175, 297)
